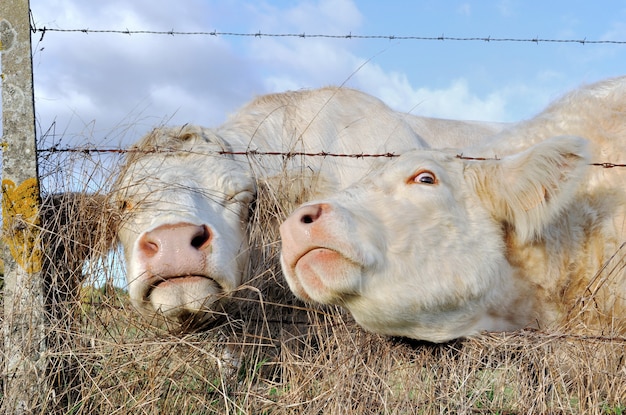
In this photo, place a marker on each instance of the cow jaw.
(318, 265)
(324, 275)
(178, 298)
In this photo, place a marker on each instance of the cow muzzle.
(317, 261)
(178, 275)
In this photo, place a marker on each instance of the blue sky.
(109, 88)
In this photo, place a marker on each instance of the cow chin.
(325, 276)
(187, 297)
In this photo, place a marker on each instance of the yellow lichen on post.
(21, 223)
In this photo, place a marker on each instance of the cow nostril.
(312, 213)
(201, 238)
(148, 247)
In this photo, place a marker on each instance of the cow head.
(418, 249)
(184, 204)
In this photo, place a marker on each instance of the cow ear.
(528, 189)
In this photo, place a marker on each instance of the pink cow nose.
(301, 227)
(178, 239)
(309, 214)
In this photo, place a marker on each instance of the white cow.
(186, 196)
(436, 246)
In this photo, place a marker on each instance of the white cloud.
(465, 9)
(455, 101)
(506, 7)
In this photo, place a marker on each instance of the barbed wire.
(287, 154)
(605, 165)
(350, 35)
(608, 165)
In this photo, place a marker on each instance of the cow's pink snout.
(178, 238)
(176, 250)
(302, 230)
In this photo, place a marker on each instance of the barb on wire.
(462, 157)
(608, 165)
(350, 35)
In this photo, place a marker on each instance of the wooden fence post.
(24, 328)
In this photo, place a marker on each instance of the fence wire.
(286, 154)
(215, 33)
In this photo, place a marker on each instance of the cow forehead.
(440, 162)
(206, 169)
(429, 155)
(184, 164)
(183, 138)
(158, 187)
(153, 201)
(187, 150)
(182, 192)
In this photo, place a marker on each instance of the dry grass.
(271, 354)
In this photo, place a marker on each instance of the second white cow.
(445, 244)
(185, 192)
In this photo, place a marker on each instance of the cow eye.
(424, 177)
